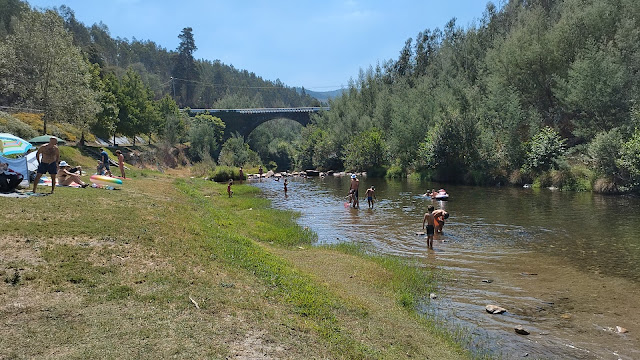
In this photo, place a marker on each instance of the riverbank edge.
(397, 285)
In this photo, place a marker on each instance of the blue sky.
(316, 44)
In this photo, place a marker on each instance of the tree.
(107, 118)
(367, 152)
(205, 136)
(185, 72)
(136, 109)
(42, 68)
(235, 152)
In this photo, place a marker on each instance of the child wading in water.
(286, 182)
(229, 191)
(371, 194)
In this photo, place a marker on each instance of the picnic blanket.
(46, 181)
(19, 194)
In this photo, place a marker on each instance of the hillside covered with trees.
(538, 90)
(79, 81)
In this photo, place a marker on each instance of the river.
(565, 265)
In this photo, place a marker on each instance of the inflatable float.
(442, 196)
(106, 181)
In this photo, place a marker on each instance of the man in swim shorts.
(429, 220)
(48, 157)
(355, 184)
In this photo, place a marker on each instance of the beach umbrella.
(45, 139)
(10, 144)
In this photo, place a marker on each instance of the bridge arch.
(244, 121)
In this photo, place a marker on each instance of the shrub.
(14, 126)
(604, 151)
(225, 173)
(396, 172)
(546, 149)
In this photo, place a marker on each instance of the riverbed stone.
(519, 329)
(621, 330)
(433, 296)
(495, 309)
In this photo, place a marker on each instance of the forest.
(541, 92)
(538, 91)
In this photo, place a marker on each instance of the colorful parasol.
(10, 144)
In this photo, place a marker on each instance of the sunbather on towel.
(66, 177)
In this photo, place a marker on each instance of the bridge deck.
(262, 110)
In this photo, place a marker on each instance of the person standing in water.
(355, 184)
(286, 182)
(371, 195)
(260, 173)
(430, 222)
(48, 157)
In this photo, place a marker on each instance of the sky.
(316, 44)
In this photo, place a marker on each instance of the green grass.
(231, 244)
(115, 274)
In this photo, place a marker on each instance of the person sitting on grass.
(66, 177)
(9, 179)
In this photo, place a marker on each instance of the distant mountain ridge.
(322, 96)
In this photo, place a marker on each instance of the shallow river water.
(565, 265)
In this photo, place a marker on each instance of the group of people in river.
(353, 195)
(433, 220)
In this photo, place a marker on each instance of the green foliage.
(305, 146)
(41, 67)
(366, 152)
(396, 172)
(451, 148)
(205, 135)
(630, 159)
(235, 152)
(11, 125)
(224, 173)
(604, 151)
(545, 150)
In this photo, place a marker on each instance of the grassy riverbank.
(173, 267)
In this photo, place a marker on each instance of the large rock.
(521, 330)
(495, 309)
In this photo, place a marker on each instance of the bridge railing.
(261, 110)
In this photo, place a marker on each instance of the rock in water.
(621, 330)
(520, 330)
(494, 309)
(433, 296)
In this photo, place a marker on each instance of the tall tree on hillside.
(185, 72)
(41, 67)
(137, 112)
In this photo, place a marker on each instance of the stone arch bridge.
(244, 121)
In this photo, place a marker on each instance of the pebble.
(494, 309)
(433, 296)
(520, 330)
(488, 281)
(621, 330)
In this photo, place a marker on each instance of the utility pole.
(173, 86)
